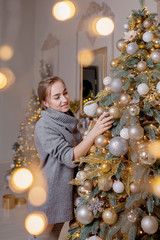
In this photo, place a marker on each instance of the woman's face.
(58, 97)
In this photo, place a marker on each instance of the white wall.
(34, 24)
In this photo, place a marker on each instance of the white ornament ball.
(80, 176)
(147, 37)
(84, 216)
(12, 165)
(118, 186)
(94, 238)
(126, 26)
(155, 56)
(143, 89)
(149, 224)
(107, 80)
(116, 85)
(132, 48)
(124, 133)
(90, 108)
(158, 87)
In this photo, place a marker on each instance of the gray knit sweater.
(56, 135)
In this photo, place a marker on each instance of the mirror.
(91, 77)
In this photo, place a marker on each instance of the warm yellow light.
(103, 26)
(155, 186)
(6, 52)
(37, 196)
(36, 223)
(10, 78)
(63, 10)
(154, 149)
(21, 180)
(85, 57)
(3, 80)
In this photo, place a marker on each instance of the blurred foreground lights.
(36, 223)
(37, 196)
(6, 52)
(85, 57)
(3, 80)
(20, 180)
(103, 26)
(63, 10)
(10, 77)
(154, 149)
(155, 186)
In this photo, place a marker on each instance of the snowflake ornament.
(96, 205)
(129, 36)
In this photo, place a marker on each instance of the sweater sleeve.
(51, 143)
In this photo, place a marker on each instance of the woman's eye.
(65, 93)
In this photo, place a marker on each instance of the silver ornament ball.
(116, 85)
(132, 217)
(149, 224)
(155, 56)
(136, 132)
(118, 146)
(134, 110)
(120, 44)
(132, 48)
(84, 216)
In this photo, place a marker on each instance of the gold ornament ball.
(88, 185)
(147, 23)
(104, 183)
(114, 63)
(99, 111)
(135, 187)
(125, 98)
(120, 44)
(141, 45)
(101, 141)
(109, 216)
(105, 167)
(142, 66)
(115, 112)
(152, 49)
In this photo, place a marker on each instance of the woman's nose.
(63, 98)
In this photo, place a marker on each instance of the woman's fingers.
(103, 115)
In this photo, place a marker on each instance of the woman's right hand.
(103, 123)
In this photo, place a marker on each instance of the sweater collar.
(62, 119)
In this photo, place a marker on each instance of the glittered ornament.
(105, 167)
(109, 216)
(149, 224)
(147, 23)
(90, 108)
(143, 89)
(73, 224)
(84, 216)
(104, 183)
(80, 176)
(118, 146)
(101, 141)
(107, 80)
(132, 48)
(118, 186)
(134, 110)
(120, 44)
(125, 99)
(132, 217)
(155, 56)
(124, 133)
(116, 85)
(115, 112)
(147, 37)
(135, 187)
(142, 66)
(136, 132)
(114, 63)
(88, 185)
(99, 111)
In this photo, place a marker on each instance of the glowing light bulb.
(3, 80)
(104, 26)
(6, 52)
(21, 180)
(63, 10)
(36, 223)
(37, 196)
(85, 57)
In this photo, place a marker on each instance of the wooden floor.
(12, 221)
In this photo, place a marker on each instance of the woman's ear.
(45, 103)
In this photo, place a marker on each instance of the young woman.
(58, 143)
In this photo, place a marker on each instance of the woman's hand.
(102, 125)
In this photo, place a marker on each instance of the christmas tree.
(117, 182)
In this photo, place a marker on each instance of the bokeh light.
(154, 149)
(37, 195)
(21, 180)
(3, 80)
(36, 223)
(6, 52)
(10, 78)
(85, 57)
(63, 10)
(155, 186)
(103, 26)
